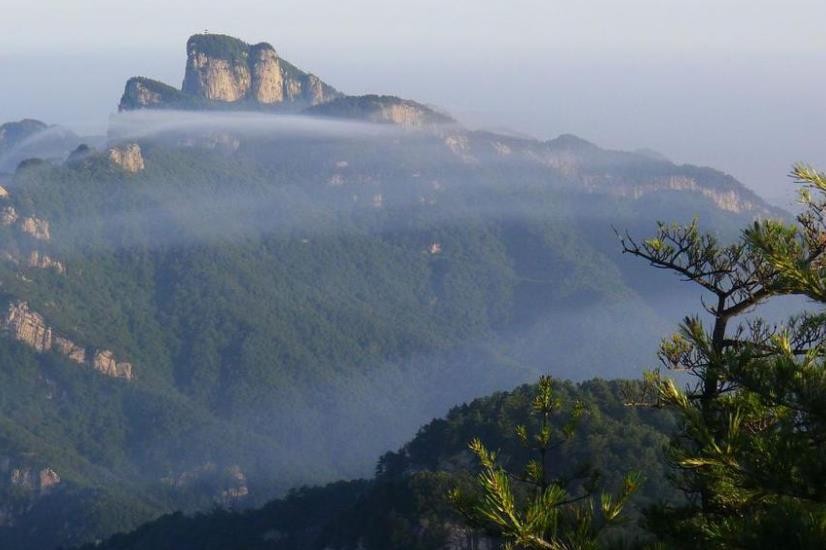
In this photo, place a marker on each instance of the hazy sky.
(735, 84)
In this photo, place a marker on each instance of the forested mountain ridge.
(405, 505)
(294, 295)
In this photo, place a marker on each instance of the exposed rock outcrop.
(29, 327)
(43, 261)
(128, 157)
(728, 200)
(230, 482)
(104, 361)
(71, 350)
(145, 93)
(222, 70)
(459, 145)
(8, 215)
(29, 479)
(36, 227)
(236, 485)
(215, 78)
(23, 478)
(383, 109)
(47, 480)
(267, 76)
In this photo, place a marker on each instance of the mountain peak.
(225, 72)
(220, 46)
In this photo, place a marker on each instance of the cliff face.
(104, 362)
(215, 78)
(36, 227)
(128, 157)
(145, 93)
(43, 261)
(383, 109)
(29, 327)
(267, 75)
(222, 70)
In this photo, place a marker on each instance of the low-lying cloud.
(143, 124)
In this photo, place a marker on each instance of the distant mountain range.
(256, 282)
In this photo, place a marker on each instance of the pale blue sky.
(736, 84)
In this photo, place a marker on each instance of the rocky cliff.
(128, 157)
(223, 71)
(29, 327)
(145, 93)
(36, 227)
(383, 109)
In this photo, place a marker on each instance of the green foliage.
(406, 506)
(220, 46)
(750, 449)
(284, 324)
(168, 96)
(536, 510)
(367, 106)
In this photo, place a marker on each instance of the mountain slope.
(405, 505)
(222, 71)
(294, 295)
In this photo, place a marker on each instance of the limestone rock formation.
(237, 485)
(36, 227)
(221, 71)
(29, 327)
(8, 215)
(70, 349)
(43, 261)
(215, 78)
(230, 481)
(104, 361)
(22, 477)
(145, 93)
(27, 478)
(47, 480)
(267, 76)
(128, 157)
(725, 199)
(383, 109)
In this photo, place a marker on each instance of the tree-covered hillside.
(406, 506)
(295, 296)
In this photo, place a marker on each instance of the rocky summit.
(223, 71)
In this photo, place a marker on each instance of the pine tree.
(751, 451)
(533, 509)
